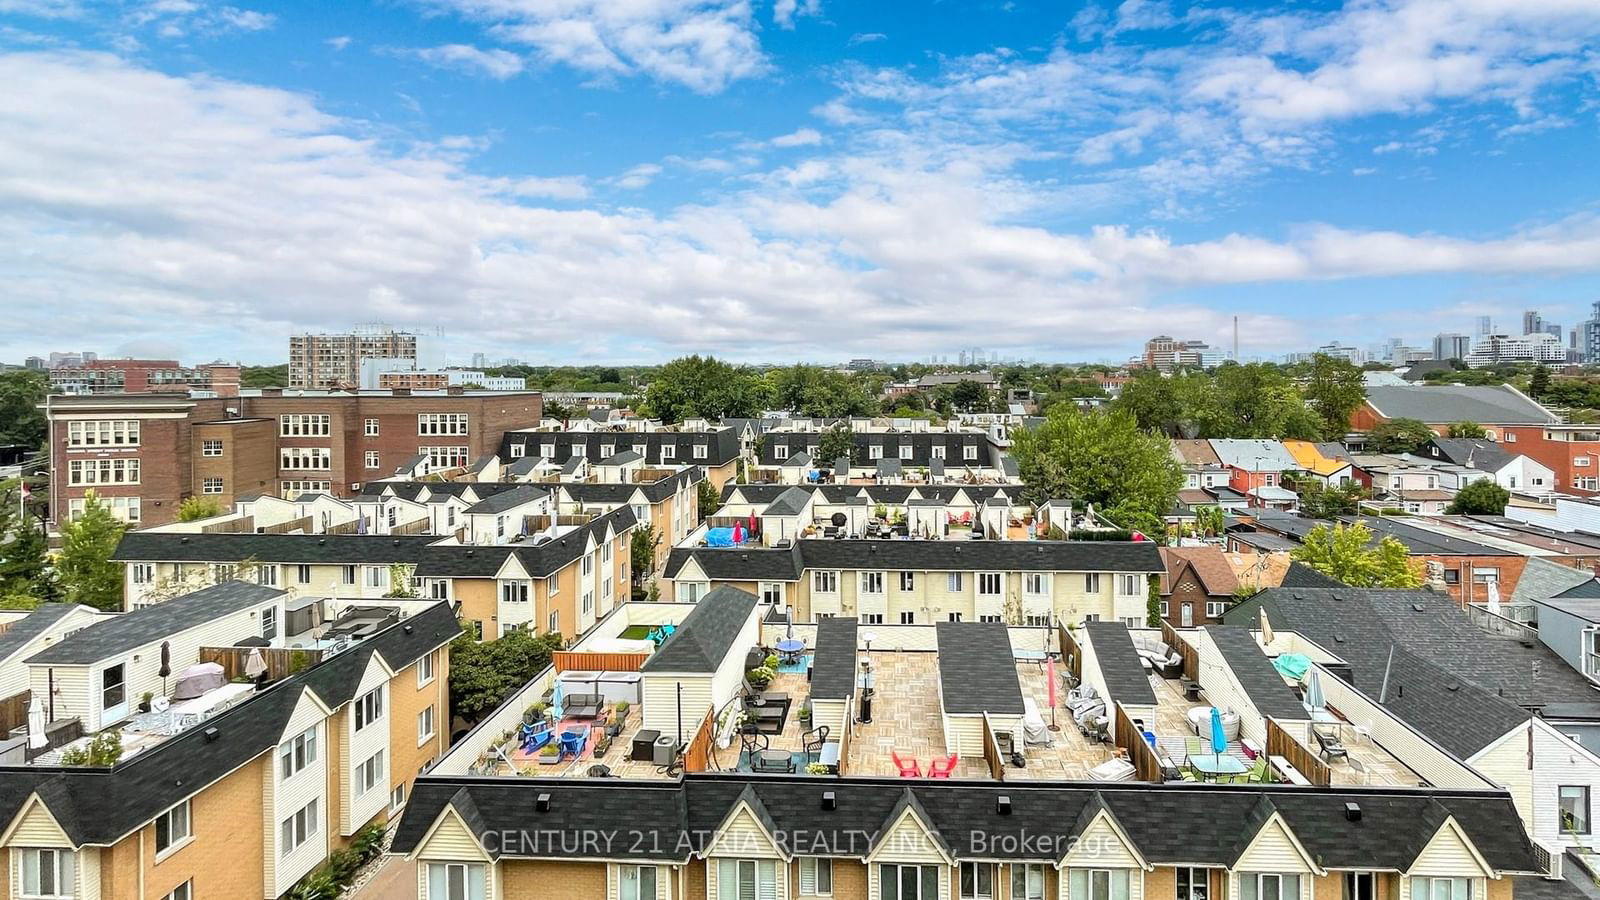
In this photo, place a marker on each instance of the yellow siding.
(451, 840)
(660, 700)
(1101, 847)
(1272, 850)
(743, 837)
(1506, 763)
(1446, 854)
(907, 841)
(38, 829)
(964, 735)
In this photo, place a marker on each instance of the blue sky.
(628, 180)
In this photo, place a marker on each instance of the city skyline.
(631, 182)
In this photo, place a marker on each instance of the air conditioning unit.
(355, 486)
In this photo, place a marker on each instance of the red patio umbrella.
(738, 533)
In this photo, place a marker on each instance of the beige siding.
(743, 837)
(660, 701)
(1446, 854)
(1272, 850)
(964, 735)
(292, 794)
(831, 713)
(1427, 759)
(907, 841)
(1101, 847)
(1506, 763)
(15, 674)
(357, 809)
(450, 840)
(38, 828)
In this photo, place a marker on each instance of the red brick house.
(1197, 586)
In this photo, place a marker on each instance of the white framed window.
(142, 573)
(371, 428)
(125, 509)
(1434, 888)
(816, 876)
(907, 882)
(514, 591)
(548, 451)
(875, 451)
(1091, 582)
(977, 880)
(1580, 460)
(555, 622)
(552, 584)
(269, 617)
(1360, 886)
(173, 828)
(748, 879)
(825, 582)
(908, 581)
(953, 582)
(872, 618)
(905, 451)
(103, 433)
(588, 602)
(369, 707)
(1163, 609)
(1278, 886)
(1129, 585)
(211, 486)
(297, 753)
(103, 471)
(305, 458)
(374, 459)
(444, 457)
(954, 617)
(49, 873)
(518, 451)
(298, 828)
(692, 591)
(1098, 884)
(969, 452)
(989, 584)
(607, 451)
(1036, 583)
(669, 451)
(456, 881)
(700, 451)
(293, 489)
(936, 451)
(908, 618)
(369, 773)
(780, 452)
(424, 724)
(636, 883)
(442, 423)
(297, 425)
(375, 576)
(1193, 883)
(1215, 609)
(183, 891)
(990, 618)
(397, 798)
(425, 670)
(211, 448)
(871, 582)
(1027, 881)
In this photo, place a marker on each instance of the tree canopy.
(1346, 553)
(198, 507)
(88, 574)
(1399, 436)
(818, 392)
(1466, 429)
(705, 386)
(1241, 401)
(21, 419)
(1101, 457)
(836, 442)
(1335, 389)
(1480, 498)
(483, 674)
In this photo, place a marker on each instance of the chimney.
(1002, 804)
(829, 800)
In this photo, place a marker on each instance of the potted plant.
(144, 702)
(549, 755)
(817, 768)
(760, 677)
(771, 661)
(805, 715)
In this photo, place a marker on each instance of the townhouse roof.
(1008, 556)
(1263, 541)
(721, 445)
(889, 444)
(1309, 456)
(1255, 673)
(1542, 579)
(626, 457)
(1301, 575)
(31, 626)
(673, 820)
(976, 670)
(738, 563)
(331, 549)
(798, 460)
(833, 661)
(937, 378)
(505, 501)
(98, 806)
(1119, 663)
(706, 634)
(142, 627)
(1195, 452)
(1418, 541)
(789, 503)
(538, 557)
(888, 467)
(1253, 455)
(654, 491)
(889, 494)
(335, 680)
(1209, 565)
(524, 466)
(1443, 404)
(1475, 453)
(1461, 686)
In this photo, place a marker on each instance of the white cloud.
(785, 11)
(178, 19)
(338, 43)
(42, 9)
(703, 45)
(637, 177)
(494, 62)
(804, 137)
(196, 201)
(867, 37)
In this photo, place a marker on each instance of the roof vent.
(542, 803)
(407, 628)
(1002, 804)
(1417, 607)
(830, 801)
(1352, 812)
(211, 734)
(184, 539)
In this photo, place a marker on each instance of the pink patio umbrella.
(738, 533)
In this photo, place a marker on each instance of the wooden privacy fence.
(343, 527)
(1071, 653)
(697, 758)
(415, 526)
(14, 712)
(568, 660)
(991, 751)
(281, 663)
(1143, 756)
(301, 524)
(235, 525)
(1191, 656)
(1281, 743)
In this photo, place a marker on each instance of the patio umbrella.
(166, 660)
(1494, 597)
(557, 695)
(36, 738)
(1219, 738)
(738, 533)
(1266, 628)
(1315, 701)
(254, 665)
(1050, 687)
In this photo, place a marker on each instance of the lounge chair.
(1328, 746)
(811, 742)
(908, 768)
(1113, 770)
(943, 768)
(534, 736)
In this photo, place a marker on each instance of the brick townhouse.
(144, 453)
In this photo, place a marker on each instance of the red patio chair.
(943, 768)
(908, 767)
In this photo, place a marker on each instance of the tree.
(1347, 554)
(1335, 389)
(706, 387)
(21, 419)
(400, 587)
(1540, 383)
(1100, 457)
(483, 674)
(710, 500)
(1480, 498)
(642, 552)
(1322, 502)
(1209, 520)
(23, 548)
(822, 393)
(1466, 429)
(1399, 435)
(836, 442)
(264, 376)
(970, 396)
(196, 507)
(88, 574)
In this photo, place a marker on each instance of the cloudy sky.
(627, 180)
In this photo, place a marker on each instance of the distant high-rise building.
(1485, 326)
(1448, 345)
(1589, 336)
(1553, 328)
(330, 361)
(37, 362)
(1541, 347)
(480, 360)
(1532, 322)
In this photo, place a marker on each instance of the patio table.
(789, 649)
(1217, 764)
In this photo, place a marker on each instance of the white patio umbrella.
(36, 738)
(1266, 628)
(254, 665)
(1494, 597)
(1315, 701)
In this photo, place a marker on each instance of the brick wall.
(538, 880)
(246, 465)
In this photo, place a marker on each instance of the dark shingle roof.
(333, 549)
(976, 670)
(502, 501)
(789, 503)
(705, 635)
(1301, 575)
(1475, 453)
(738, 563)
(1119, 663)
(32, 626)
(833, 665)
(1167, 823)
(150, 624)
(1255, 673)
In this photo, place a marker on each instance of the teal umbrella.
(1219, 738)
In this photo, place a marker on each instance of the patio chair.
(1258, 772)
(1188, 775)
(943, 768)
(753, 742)
(811, 742)
(907, 768)
(534, 736)
(1328, 746)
